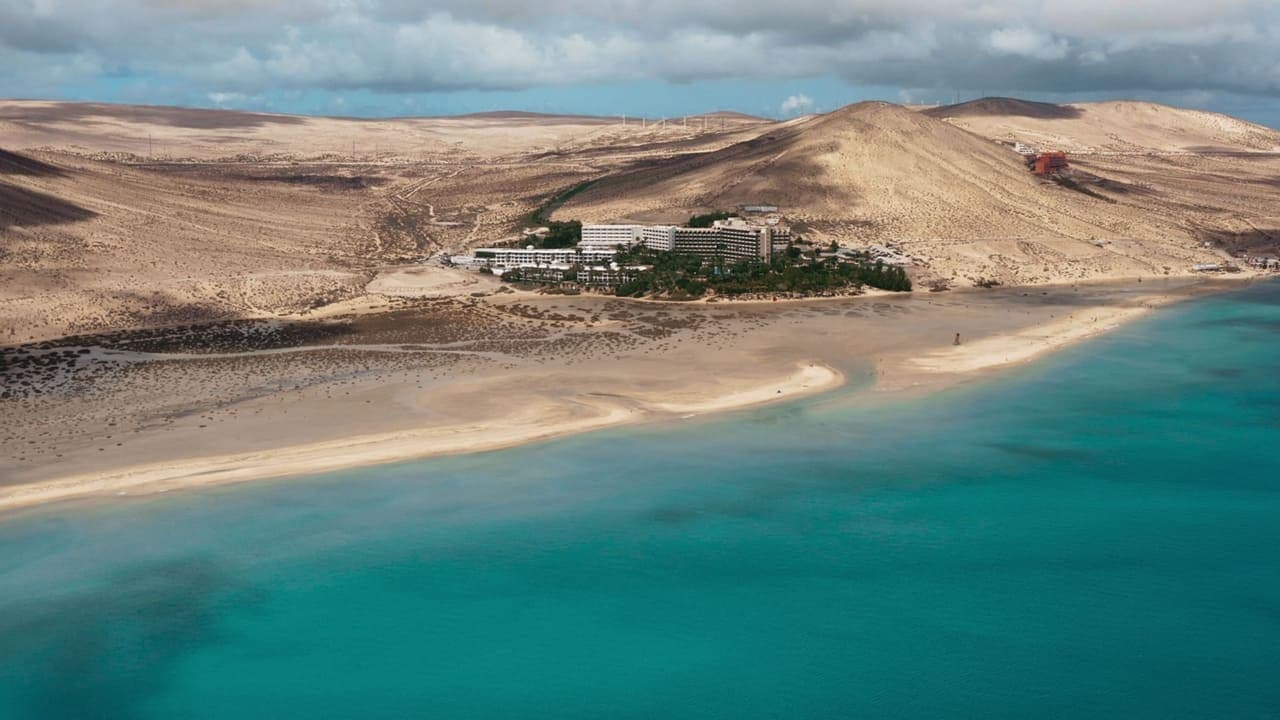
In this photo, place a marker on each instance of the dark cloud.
(404, 46)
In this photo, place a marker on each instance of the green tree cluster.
(679, 275)
(707, 220)
(561, 235)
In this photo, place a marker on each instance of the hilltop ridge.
(965, 206)
(1131, 126)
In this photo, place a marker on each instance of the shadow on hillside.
(85, 113)
(1010, 107)
(1256, 241)
(12, 163)
(20, 207)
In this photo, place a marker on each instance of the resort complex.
(716, 252)
(730, 240)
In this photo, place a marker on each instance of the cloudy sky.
(654, 57)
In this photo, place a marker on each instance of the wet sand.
(454, 376)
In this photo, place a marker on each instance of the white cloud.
(257, 46)
(796, 105)
(1028, 43)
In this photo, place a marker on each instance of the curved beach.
(770, 354)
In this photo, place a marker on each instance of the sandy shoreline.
(1027, 345)
(814, 352)
(531, 425)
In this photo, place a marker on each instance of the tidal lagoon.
(1093, 535)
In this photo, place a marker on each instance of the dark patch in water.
(104, 653)
(1042, 452)
(1244, 323)
(1223, 373)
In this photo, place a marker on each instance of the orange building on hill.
(1049, 163)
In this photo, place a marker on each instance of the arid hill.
(965, 206)
(1003, 107)
(266, 215)
(1122, 126)
(137, 133)
(86, 245)
(115, 216)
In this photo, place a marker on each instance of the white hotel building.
(516, 257)
(729, 239)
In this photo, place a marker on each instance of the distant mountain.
(140, 132)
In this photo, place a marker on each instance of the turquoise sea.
(1093, 536)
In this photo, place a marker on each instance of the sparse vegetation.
(541, 215)
(559, 235)
(708, 219)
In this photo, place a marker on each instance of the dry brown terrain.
(257, 217)
(1119, 126)
(964, 206)
(144, 133)
(245, 293)
(138, 411)
(109, 226)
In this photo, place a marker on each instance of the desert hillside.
(964, 206)
(86, 245)
(874, 166)
(1121, 126)
(144, 133)
(264, 215)
(115, 216)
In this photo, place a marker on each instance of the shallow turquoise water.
(1094, 536)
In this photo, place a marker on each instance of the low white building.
(611, 236)
(515, 257)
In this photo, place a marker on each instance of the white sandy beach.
(1027, 344)
(530, 424)
(705, 360)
